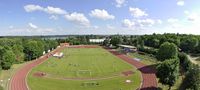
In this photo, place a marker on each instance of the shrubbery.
(167, 51)
(168, 72)
(192, 79)
(148, 50)
(184, 61)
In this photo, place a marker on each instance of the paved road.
(18, 81)
(149, 81)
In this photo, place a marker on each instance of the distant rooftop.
(127, 46)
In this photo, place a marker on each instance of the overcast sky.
(63, 17)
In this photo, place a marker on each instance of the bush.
(184, 61)
(142, 53)
(192, 80)
(167, 51)
(8, 59)
(168, 72)
(148, 50)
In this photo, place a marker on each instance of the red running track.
(83, 46)
(149, 81)
(18, 81)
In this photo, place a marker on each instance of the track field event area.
(84, 68)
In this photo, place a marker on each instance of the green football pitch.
(84, 69)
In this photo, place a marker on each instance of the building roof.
(127, 46)
(96, 40)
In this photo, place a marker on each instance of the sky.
(102, 17)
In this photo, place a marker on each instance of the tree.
(2, 50)
(167, 51)
(152, 41)
(140, 42)
(116, 40)
(188, 44)
(8, 59)
(106, 42)
(184, 61)
(192, 80)
(168, 72)
(198, 46)
(125, 40)
(18, 51)
(32, 50)
(40, 46)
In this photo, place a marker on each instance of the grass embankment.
(80, 65)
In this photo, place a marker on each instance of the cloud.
(172, 20)
(159, 21)
(146, 22)
(32, 8)
(140, 24)
(136, 12)
(186, 12)
(11, 27)
(54, 10)
(174, 23)
(192, 16)
(128, 23)
(110, 27)
(96, 27)
(78, 18)
(101, 14)
(49, 9)
(119, 3)
(180, 3)
(32, 26)
(53, 17)
(29, 31)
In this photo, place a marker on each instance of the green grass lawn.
(84, 63)
(144, 58)
(175, 87)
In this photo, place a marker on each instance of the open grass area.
(78, 66)
(144, 58)
(177, 85)
(194, 58)
(198, 60)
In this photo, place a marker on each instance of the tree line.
(18, 50)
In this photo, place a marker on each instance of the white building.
(96, 40)
(59, 55)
